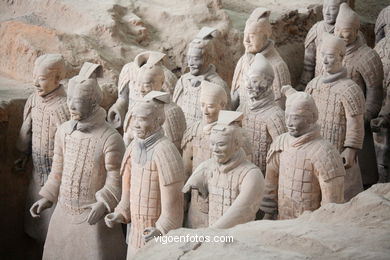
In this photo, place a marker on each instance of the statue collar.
(303, 139)
(233, 163)
(60, 91)
(330, 78)
(355, 45)
(87, 125)
(264, 102)
(142, 146)
(196, 80)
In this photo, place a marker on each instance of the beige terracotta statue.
(263, 118)
(127, 78)
(340, 103)
(304, 171)
(187, 89)
(44, 111)
(151, 78)
(381, 126)
(152, 178)
(196, 147)
(365, 68)
(233, 184)
(330, 9)
(257, 35)
(84, 181)
(382, 25)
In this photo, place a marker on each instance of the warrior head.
(301, 112)
(257, 31)
(149, 78)
(148, 116)
(200, 50)
(84, 97)
(259, 78)
(330, 9)
(213, 98)
(49, 70)
(91, 70)
(226, 136)
(332, 51)
(347, 24)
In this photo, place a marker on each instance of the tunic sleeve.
(247, 203)
(25, 134)
(113, 154)
(52, 186)
(123, 207)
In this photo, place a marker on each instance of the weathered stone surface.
(322, 234)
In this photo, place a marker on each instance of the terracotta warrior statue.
(84, 181)
(44, 111)
(340, 103)
(382, 25)
(196, 147)
(263, 118)
(233, 184)
(127, 78)
(151, 78)
(365, 68)
(304, 171)
(187, 89)
(257, 35)
(330, 9)
(152, 178)
(381, 126)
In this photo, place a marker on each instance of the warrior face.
(196, 62)
(330, 10)
(45, 81)
(348, 34)
(223, 145)
(79, 104)
(254, 41)
(144, 121)
(256, 86)
(298, 122)
(210, 111)
(332, 60)
(149, 79)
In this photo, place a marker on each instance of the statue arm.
(172, 207)
(123, 207)
(269, 203)
(25, 134)
(246, 204)
(113, 154)
(51, 188)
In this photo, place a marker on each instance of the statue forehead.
(192, 51)
(332, 2)
(41, 70)
(143, 109)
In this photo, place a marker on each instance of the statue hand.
(378, 123)
(268, 216)
(349, 157)
(20, 163)
(40, 206)
(150, 232)
(114, 118)
(113, 218)
(98, 209)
